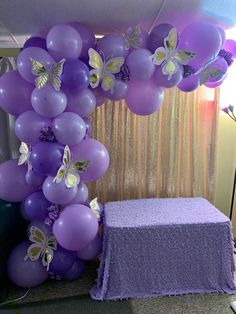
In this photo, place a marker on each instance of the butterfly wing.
(80, 165)
(95, 60)
(95, 77)
(55, 75)
(66, 156)
(52, 243)
(170, 42)
(95, 207)
(184, 57)
(37, 236)
(24, 151)
(209, 72)
(41, 80)
(47, 258)
(132, 37)
(108, 82)
(113, 65)
(72, 179)
(37, 67)
(60, 174)
(34, 251)
(160, 55)
(170, 67)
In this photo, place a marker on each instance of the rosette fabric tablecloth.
(157, 247)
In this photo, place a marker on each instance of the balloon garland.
(59, 82)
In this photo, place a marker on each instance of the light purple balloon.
(202, 38)
(25, 274)
(215, 84)
(92, 250)
(62, 261)
(220, 64)
(81, 195)
(88, 125)
(69, 128)
(63, 41)
(118, 91)
(230, 46)
(58, 193)
(29, 125)
(140, 64)
(100, 98)
(97, 155)
(189, 83)
(162, 79)
(144, 97)
(112, 45)
(75, 271)
(13, 187)
(48, 102)
(157, 36)
(24, 63)
(76, 227)
(35, 206)
(34, 179)
(223, 36)
(15, 93)
(82, 104)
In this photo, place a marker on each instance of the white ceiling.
(20, 18)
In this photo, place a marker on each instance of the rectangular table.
(157, 247)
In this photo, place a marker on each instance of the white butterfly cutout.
(132, 37)
(69, 171)
(24, 155)
(95, 207)
(168, 57)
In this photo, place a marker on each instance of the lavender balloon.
(36, 41)
(164, 81)
(28, 127)
(76, 227)
(96, 153)
(24, 63)
(92, 250)
(112, 46)
(58, 193)
(13, 187)
(75, 271)
(15, 93)
(35, 206)
(48, 102)
(230, 46)
(81, 195)
(83, 103)
(34, 179)
(189, 83)
(25, 274)
(118, 91)
(63, 41)
(62, 261)
(157, 36)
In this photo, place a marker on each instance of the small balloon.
(164, 81)
(92, 250)
(99, 95)
(189, 83)
(81, 195)
(62, 261)
(75, 271)
(35, 207)
(157, 36)
(36, 41)
(230, 46)
(83, 103)
(118, 91)
(112, 45)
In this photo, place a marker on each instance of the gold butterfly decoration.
(42, 246)
(132, 38)
(44, 76)
(168, 57)
(103, 72)
(24, 155)
(69, 171)
(95, 207)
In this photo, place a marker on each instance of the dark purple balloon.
(35, 42)
(34, 179)
(62, 261)
(157, 36)
(75, 271)
(92, 250)
(35, 206)
(111, 46)
(189, 83)
(46, 158)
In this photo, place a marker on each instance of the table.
(157, 247)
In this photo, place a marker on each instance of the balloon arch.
(60, 80)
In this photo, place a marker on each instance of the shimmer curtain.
(168, 154)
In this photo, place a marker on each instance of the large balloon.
(24, 63)
(62, 261)
(76, 227)
(75, 271)
(35, 206)
(63, 41)
(189, 83)
(28, 127)
(157, 36)
(34, 178)
(111, 46)
(26, 274)
(164, 81)
(204, 39)
(48, 102)
(35, 42)
(97, 155)
(58, 193)
(144, 97)
(92, 250)
(15, 93)
(69, 128)
(81, 195)
(13, 187)
(83, 103)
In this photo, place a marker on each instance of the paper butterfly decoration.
(24, 155)
(103, 71)
(132, 38)
(42, 246)
(95, 207)
(44, 76)
(208, 72)
(168, 57)
(69, 171)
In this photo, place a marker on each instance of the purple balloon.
(96, 153)
(230, 46)
(46, 158)
(88, 127)
(140, 64)
(58, 193)
(35, 42)
(35, 206)
(220, 64)
(92, 250)
(62, 261)
(112, 45)
(75, 271)
(48, 102)
(144, 97)
(24, 63)
(76, 227)
(215, 84)
(204, 39)
(63, 41)
(34, 179)
(83, 103)
(100, 98)
(28, 127)
(26, 274)
(75, 76)
(81, 195)
(157, 36)
(189, 83)
(69, 128)
(47, 230)
(15, 93)
(162, 79)
(13, 187)
(118, 91)
(223, 36)
(87, 37)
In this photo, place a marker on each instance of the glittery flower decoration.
(188, 70)
(227, 56)
(47, 135)
(124, 74)
(53, 214)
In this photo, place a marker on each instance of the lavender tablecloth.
(156, 247)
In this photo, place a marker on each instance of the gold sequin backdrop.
(170, 153)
